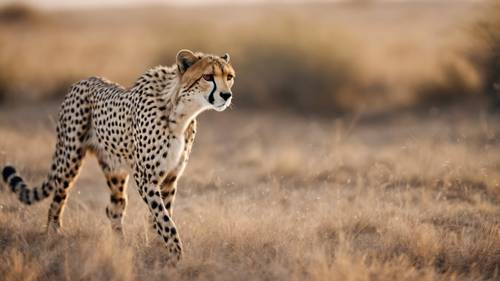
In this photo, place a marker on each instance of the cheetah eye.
(230, 77)
(208, 77)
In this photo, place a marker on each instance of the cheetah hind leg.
(70, 168)
(117, 184)
(115, 210)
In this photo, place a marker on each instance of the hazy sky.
(80, 3)
(90, 3)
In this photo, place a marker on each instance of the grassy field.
(359, 146)
(277, 197)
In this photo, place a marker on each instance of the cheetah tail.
(25, 194)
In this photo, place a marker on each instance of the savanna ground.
(379, 162)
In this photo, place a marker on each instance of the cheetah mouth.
(214, 105)
(221, 107)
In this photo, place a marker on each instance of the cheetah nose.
(225, 96)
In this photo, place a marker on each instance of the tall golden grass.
(411, 199)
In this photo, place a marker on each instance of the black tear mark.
(211, 98)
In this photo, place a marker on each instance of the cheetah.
(147, 131)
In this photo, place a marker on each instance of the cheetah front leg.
(168, 186)
(168, 189)
(162, 221)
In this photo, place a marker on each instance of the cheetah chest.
(172, 156)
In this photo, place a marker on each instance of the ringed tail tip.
(7, 172)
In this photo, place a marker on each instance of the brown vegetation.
(316, 59)
(410, 199)
(270, 194)
(18, 13)
(486, 55)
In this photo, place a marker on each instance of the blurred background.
(307, 57)
(362, 143)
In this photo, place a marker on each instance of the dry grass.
(269, 195)
(276, 197)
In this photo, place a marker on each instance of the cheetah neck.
(181, 111)
(181, 116)
(163, 85)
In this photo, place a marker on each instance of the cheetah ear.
(225, 57)
(185, 59)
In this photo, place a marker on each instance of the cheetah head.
(206, 79)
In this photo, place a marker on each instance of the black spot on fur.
(154, 204)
